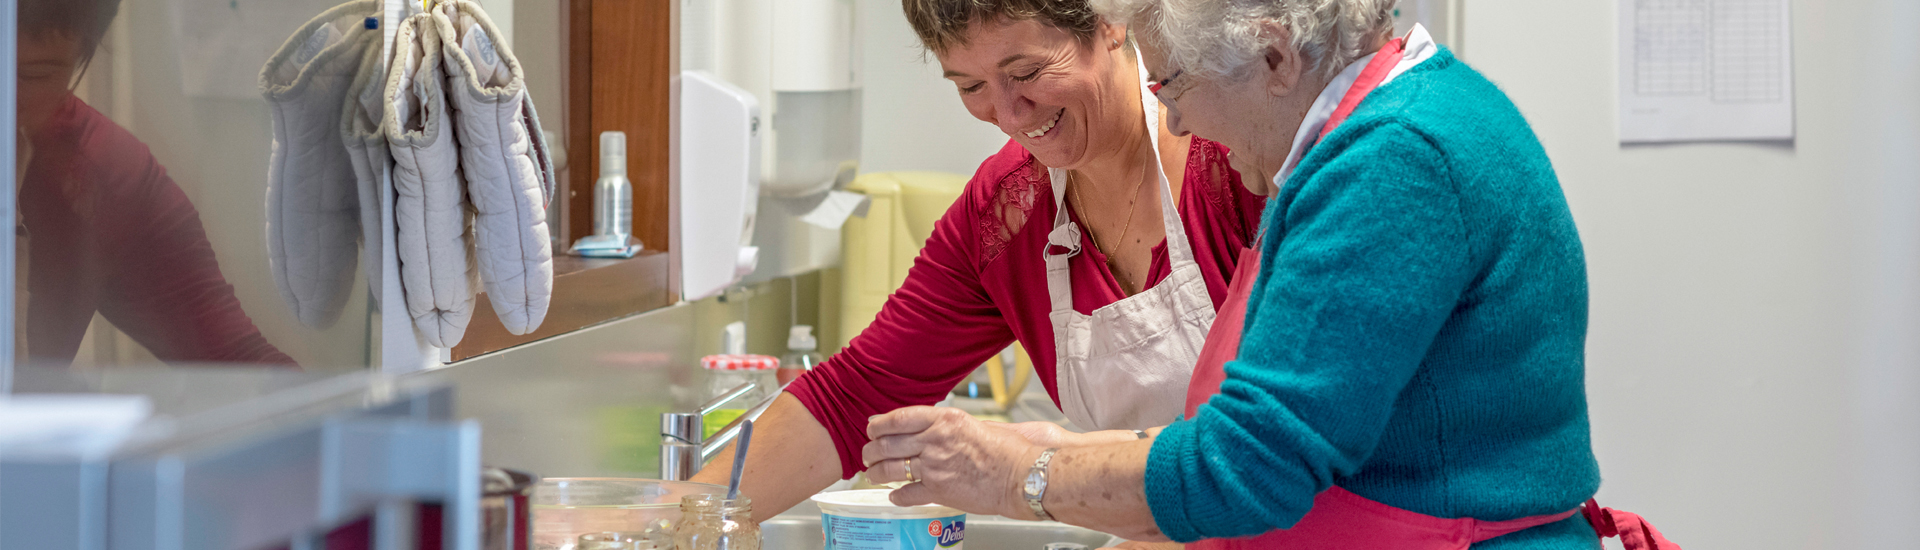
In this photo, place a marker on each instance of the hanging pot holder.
(508, 173)
(431, 211)
(312, 205)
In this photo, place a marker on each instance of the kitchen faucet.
(682, 449)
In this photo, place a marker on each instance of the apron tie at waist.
(1634, 532)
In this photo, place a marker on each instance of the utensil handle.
(739, 459)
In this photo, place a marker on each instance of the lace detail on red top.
(1014, 197)
(1218, 180)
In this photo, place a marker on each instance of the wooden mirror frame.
(620, 64)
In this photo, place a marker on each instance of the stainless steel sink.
(799, 529)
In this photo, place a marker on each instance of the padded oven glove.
(430, 206)
(509, 175)
(312, 207)
(360, 129)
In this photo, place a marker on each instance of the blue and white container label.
(850, 533)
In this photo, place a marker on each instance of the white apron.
(1126, 366)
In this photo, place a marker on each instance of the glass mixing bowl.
(566, 507)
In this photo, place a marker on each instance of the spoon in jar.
(739, 458)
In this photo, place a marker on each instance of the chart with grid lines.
(1705, 69)
(1729, 49)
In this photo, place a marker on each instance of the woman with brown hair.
(102, 227)
(1070, 240)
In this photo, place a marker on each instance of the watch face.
(1036, 482)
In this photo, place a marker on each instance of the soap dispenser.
(802, 354)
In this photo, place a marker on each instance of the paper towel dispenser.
(800, 59)
(716, 184)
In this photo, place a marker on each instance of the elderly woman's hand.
(956, 460)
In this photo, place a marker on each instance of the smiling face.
(1065, 100)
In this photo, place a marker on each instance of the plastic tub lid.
(740, 362)
(874, 502)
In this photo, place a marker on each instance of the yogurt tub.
(866, 520)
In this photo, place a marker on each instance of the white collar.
(1420, 47)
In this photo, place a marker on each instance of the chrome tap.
(682, 449)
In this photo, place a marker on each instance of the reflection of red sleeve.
(158, 279)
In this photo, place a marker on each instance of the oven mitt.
(430, 206)
(312, 206)
(509, 176)
(367, 148)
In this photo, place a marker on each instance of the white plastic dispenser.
(802, 354)
(716, 184)
(801, 59)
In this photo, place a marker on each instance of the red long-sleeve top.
(108, 231)
(981, 282)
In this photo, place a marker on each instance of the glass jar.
(712, 522)
(726, 372)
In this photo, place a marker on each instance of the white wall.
(1754, 355)
(1751, 358)
(912, 119)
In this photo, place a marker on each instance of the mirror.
(145, 148)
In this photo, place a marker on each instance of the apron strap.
(1179, 251)
(1375, 72)
(1063, 241)
(1634, 532)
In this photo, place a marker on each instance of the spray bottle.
(612, 204)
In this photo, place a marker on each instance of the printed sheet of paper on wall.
(1705, 70)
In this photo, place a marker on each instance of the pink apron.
(1339, 518)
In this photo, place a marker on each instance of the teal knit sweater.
(1415, 335)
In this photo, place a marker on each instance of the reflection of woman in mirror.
(102, 227)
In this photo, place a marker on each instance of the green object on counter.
(630, 438)
(712, 422)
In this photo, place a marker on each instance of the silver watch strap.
(1033, 500)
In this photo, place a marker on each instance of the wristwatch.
(1036, 485)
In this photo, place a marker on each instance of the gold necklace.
(1124, 229)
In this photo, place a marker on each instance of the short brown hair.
(942, 24)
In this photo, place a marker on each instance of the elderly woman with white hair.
(1414, 314)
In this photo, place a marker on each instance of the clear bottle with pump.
(612, 193)
(801, 355)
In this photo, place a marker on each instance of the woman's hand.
(957, 460)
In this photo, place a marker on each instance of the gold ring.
(910, 476)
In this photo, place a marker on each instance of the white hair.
(1222, 38)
